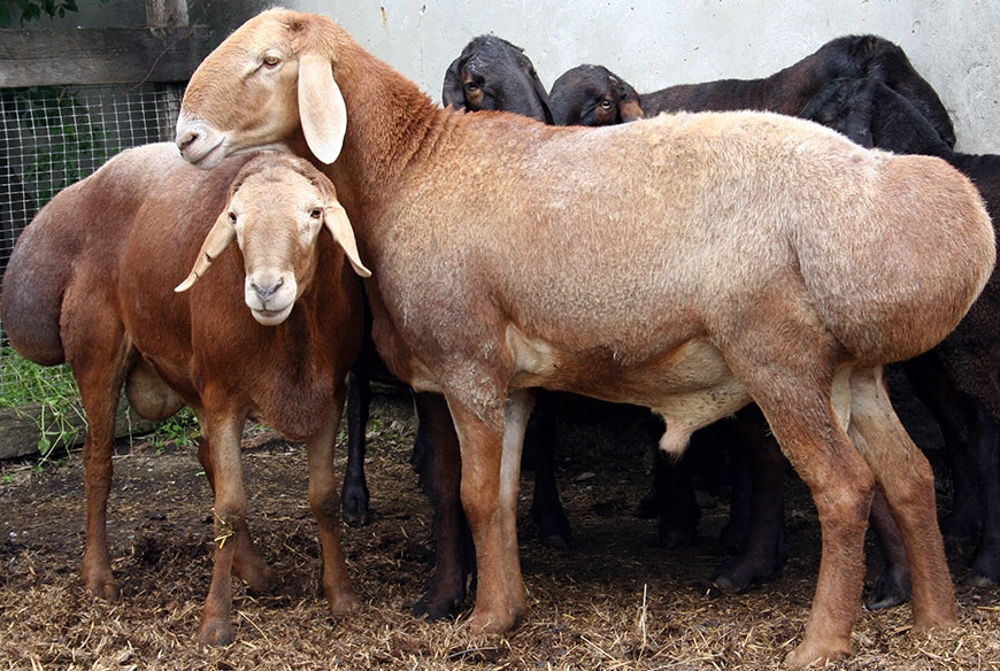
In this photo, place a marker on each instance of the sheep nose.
(187, 140)
(266, 292)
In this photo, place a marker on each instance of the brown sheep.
(91, 281)
(734, 257)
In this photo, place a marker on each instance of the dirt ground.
(617, 601)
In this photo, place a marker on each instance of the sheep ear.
(216, 241)
(452, 93)
(630, 110)
(321, 108)
(339, 225)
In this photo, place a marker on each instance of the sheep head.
(592, 95)
(493, 74)
(277, 206)
(269, 55)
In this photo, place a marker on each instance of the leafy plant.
(180, 430)
(35, 10)
(48, 397)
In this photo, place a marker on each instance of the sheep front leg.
(223, 436)
(248, 564)
(491, 457)
(325, 504)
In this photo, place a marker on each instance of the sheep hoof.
(434, 607)
(215, 632)
(343, 603)
(985, 570)
(354, 511)
(891, 589)
(977, 580)
(260, 579)
(808, 655)
(105, 588)
(490, 623)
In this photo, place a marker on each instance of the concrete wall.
(657, 43)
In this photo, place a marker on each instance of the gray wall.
(653, 44)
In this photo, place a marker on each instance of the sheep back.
(709, 214)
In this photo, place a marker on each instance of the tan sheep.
(705, 261)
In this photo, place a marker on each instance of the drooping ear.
(629, 110)
(336, 221)
(542, 95)
(216, 241)
(453, 92)
(321, 108)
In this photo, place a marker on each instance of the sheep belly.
(689, 385)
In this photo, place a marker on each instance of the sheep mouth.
(271, 317)
(204, 157)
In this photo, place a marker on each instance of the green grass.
(22, 381)
(53, 389)
(60, 417)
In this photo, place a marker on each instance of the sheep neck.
(386, 132)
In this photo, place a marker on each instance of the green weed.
(181, 430)
(47, 396)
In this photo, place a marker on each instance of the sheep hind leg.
(355, 496)
(99, 376)
(325, 504)
(438, 463)
(892, 587)
(765, 547)
(842, 485)
(248, 564)
(98, 447)
(906, 478)
(541, 439)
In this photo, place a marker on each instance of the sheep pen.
(616, 602)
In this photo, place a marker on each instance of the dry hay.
(615, 602)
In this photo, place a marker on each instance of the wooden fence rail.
(87, 56)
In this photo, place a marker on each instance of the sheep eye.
(271, 61)
(316, 213)
(606, 104)
(471, 87)
(232, 217)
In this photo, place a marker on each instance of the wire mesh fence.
(52, 137)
